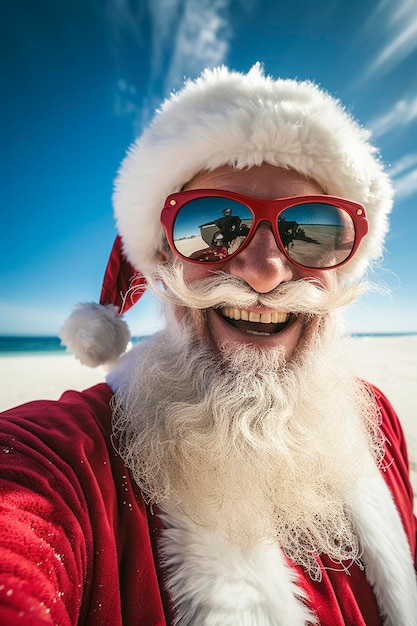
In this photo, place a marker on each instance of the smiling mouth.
(256, 323)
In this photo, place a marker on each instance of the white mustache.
(221, 289)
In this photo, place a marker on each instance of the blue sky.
(81, 79)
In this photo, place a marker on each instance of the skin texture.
(261, 264)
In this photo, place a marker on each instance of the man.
(233, 469)
(229, 226)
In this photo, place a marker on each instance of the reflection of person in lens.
(291, 230)
(234, 467)
(215, 252)
(230, 226)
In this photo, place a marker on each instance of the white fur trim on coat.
(213, 583)
(226, 117)
(387, 557)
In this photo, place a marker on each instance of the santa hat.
(225, 117)
(96, 332)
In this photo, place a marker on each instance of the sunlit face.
(261, 264)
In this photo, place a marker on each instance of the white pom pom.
(95, 333)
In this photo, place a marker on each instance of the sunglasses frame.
(262, 210)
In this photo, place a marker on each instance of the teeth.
(275, 317)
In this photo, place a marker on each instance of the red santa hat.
(226, 117)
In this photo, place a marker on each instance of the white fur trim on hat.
(225, 117)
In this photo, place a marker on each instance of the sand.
(388, 362)
(43, 376)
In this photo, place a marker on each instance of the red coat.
(77, 544)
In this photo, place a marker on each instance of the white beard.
(256, 448)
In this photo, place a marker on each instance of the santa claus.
(232, 469)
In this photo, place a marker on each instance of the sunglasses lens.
(210, 229)
(316, 234)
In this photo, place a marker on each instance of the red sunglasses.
(212, 226)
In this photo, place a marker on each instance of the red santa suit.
(79, 546)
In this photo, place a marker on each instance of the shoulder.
(72, 406)
(61, 452)
(47, 429)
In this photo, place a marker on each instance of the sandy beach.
(388, 362)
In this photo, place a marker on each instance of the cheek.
(326, 279)
(196, 271)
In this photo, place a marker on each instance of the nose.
(261, 264)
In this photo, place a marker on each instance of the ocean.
(35, 345)
(20, 345)
(52, 345)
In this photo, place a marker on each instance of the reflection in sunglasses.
(312, 231)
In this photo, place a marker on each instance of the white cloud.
(399, 47)
(125, 98)
(403, 112)
(406, 185)
(124, 19)
(404, 175)
(202, 39)
(404, 163)
(394, 26)
(187, 36)
(179, 37)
